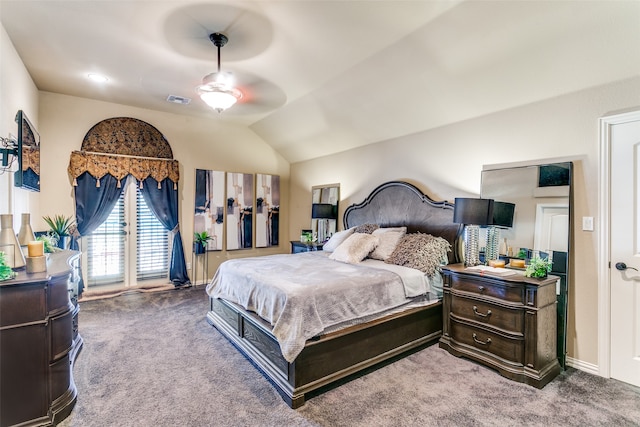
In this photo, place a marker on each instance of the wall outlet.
(587, 223)
(188, 266)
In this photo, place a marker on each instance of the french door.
(131, 248)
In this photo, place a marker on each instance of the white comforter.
(304, 294)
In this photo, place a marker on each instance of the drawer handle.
(475, 338)
(481, 289)
(475, 310)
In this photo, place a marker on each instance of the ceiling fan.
(217, 89)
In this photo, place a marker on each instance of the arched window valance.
(123, 146)
(112, 150)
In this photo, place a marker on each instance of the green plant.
(202, 238)
(50, 242)
(60, 225)
(5, 271)
(538, 267)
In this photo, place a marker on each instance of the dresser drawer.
(510, 349)
(487, 287)
(510, 320)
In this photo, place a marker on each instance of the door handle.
(622, 267)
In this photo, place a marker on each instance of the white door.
(625, 250)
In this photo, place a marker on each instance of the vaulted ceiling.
(322, 76)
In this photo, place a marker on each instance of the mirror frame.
(529, 221)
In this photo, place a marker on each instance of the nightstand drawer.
(489, 287)
(507, 319)
(506, 348)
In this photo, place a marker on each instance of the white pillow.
(387, 244)
(355, 248)
(336, 239)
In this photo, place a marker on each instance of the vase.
(8, 238)
(25, 235)
(63, 242)
(198, 248)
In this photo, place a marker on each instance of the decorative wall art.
(209, 207)
(239, 210)
(267, 211)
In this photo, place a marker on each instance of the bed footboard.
(330, 357)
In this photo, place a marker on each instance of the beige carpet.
(153, 360)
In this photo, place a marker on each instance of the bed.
(347, 348)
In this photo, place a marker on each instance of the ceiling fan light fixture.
(219, 98)
(217, 89)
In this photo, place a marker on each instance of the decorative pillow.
(403, 230)
(366, 228)
(423, 252)
(355, 248)
(336, 239)
(388, 242)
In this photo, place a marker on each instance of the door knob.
(622, 267)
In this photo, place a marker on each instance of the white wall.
(17, 92)
(447, 162)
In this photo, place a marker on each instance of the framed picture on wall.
(239, 210)
(209, 207)
(267, 210)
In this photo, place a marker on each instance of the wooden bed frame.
(334, 356)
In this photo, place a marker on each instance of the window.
(130, 247)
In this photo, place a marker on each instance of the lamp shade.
(473, 211)
(503, 214)
(323, 211)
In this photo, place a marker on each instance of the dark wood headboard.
(397, 204)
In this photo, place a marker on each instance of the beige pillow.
(390, 229)
(355, 248)
(366, 228)
(423, 252)
(336, 239)
(388, 241)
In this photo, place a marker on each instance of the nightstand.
(506, 322)
(298, 246)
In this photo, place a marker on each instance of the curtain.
(93, 206)
(162, 200)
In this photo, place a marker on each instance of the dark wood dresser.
(39, 341)
(505, 322)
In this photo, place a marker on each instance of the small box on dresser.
(506, 322)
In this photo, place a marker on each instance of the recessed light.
(98, 78)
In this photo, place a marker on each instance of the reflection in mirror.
(28, 174)
(324, 211)
(541, 222)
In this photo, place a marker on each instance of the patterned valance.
(118, 166)
(126, 136)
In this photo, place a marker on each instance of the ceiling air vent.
(178, 99)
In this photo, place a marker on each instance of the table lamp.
(472, 213)
(323, 212)
(502, 218)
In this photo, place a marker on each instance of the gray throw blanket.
(301, 295)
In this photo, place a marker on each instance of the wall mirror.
(324, 210)
(542, 194)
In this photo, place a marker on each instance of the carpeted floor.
(153, 360)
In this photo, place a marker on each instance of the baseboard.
(583, 366)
